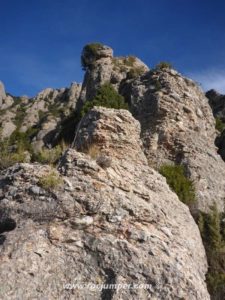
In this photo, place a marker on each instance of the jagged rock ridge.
(178, 126)
(117, 223)
(44, 114)
(114, 217)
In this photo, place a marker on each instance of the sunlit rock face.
(177, 126)
(111, 219)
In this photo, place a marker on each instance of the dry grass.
(51, 180)
(93, 151)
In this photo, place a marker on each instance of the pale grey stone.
(67, 236)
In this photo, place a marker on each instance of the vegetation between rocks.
(49, 156)
(179, 183)
(8, 158)
(18, 148)
(220, 125)
(212, 228)
(92, 49)
(164, 65)
(51, 180)
(106, 96)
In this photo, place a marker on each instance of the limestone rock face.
(105, 224)
(217, 103)
(2, 93)
(7, 125)
(102, 67)
(178, 126)
(89, 55)
(5, 100)
(46, 111)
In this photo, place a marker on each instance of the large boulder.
(112, 220)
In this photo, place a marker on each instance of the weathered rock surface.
(2, 93)
(110, 224)
(217, 103)
(5, 100)
(45, 113)
(178, 126)
(103, 67)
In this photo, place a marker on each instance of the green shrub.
(127, 64)
(179, 183)
(92, 50)
(129, 60)
(158, 85)
(164, 65)
(106, 96)
(8, 157)
(55, 110)
(212, 228)
(20, 115)
(51, 180)
(15, 148)
(22, 139)
(135, 72)
(220, 126)
(41, 114)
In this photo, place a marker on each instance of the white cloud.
(210, 79)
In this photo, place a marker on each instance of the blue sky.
(41, 41)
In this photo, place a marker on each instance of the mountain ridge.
(99, 203)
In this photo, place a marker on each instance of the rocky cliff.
(111, 220)
(102, 67)
(217, 103)
(43, 114)
(103, 214)
(178, 126)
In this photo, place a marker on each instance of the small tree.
(92, 50)
(106, 96)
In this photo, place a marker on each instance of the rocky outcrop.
(178, 126)
(112, 220)
(217, 103)
(5, 100)
(2, 93)
(102, 67)
(43, 114)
